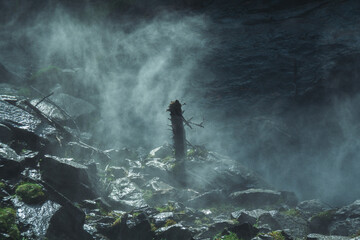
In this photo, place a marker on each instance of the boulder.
(73, 180)
(312, 207)
(126, 194)
(6, 135)
(162, 152)
(131, 228)
(320, 222)
(72, 107)
(35, 218)
(25, 126)
(208, 199)
(296, 225)
(256, 198)
(10, 162)
(173, 232)
(67, 223)
(346, 220)
(244, 231)
(161, 218)
(316, 236)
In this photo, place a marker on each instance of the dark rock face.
(69, 178)
(137, 228)
(67, 223)
(175, 232)
(244, 231)
(6, 134)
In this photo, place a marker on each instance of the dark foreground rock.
(67, 224)
(72, 179)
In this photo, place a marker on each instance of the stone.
(126, 194)
(312, 207)
(244, 231)
(162, 151)
(161, 218)
(174, 232)
(6, 135)
(24, 125)
(208, 199)
(67, 223)
(69, 178)
(316, 236)
(256, 197)
(36, 218)
(346, 220)
(10, 162)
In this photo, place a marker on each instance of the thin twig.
(44, 99)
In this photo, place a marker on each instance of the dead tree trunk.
(177, 124)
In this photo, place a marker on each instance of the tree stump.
(177, 124)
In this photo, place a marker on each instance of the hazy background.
(277, 83)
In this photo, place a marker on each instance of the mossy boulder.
(30, 193)
(7, 223)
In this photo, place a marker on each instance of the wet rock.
(244, 231)
(256, 197)
(267, 220)
(10, 162)
(24, 125)
(219, 172)
(346, 221)
(256, 213)
(69, 178)
(6, 135)
(214, 229)
(73, 107)
(67, 223)
(296, 225)
(312, 207)
(116, 172)
(159, 192)
(119, 156)
(156, 168)
(126, 194)
(35, 218)
(320, 222)
(207, 199)
(161, 218)
(315, 236)
(128, 228)
(243, 216)
(162, 151)
(173, 232)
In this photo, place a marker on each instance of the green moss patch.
(30, 193)
(231, 236)
(7, 223)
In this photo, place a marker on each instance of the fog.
(131, 68)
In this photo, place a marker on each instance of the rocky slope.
(54, 186)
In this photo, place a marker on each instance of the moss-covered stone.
(230, 236)
(7, 223)
(30, 193)
(277, 235)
